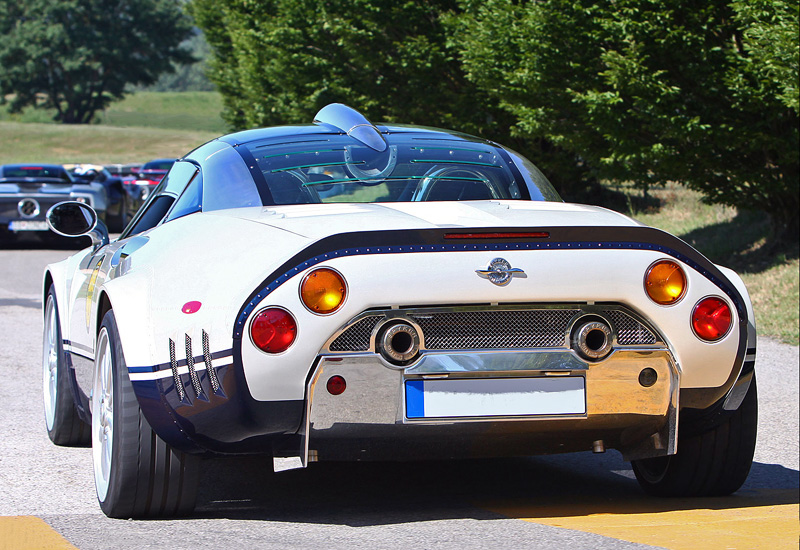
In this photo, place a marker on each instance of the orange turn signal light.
(323, 290)
(665, 282)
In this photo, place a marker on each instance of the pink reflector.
(191, 307)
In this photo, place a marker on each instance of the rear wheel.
(64, 426)
(713, 463)
(7, 237)
(136, 473)
(118, 221)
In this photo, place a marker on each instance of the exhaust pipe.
(592, 340)
(399, 343)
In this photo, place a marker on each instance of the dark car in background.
(119, 209)
(124, 171)
(150, 175)
(27, 191)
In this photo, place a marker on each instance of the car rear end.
(427, 294)
(493, 342)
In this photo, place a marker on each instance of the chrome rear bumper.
(625, 408)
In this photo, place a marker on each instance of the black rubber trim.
(81, 399)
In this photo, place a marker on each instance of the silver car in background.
(27, 191)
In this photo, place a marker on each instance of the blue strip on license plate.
(481, 397)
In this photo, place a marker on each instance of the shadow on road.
(43, 241)
(21, 302)
(365, 494)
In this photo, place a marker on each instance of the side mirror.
(76, 219)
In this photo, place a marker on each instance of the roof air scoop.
(353, 123)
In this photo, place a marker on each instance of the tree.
(190, 77)
(771, 41)
(77, 56)
(280, 61)
(652, 91)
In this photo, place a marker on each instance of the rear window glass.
(158, 165)
(34, 171)
(339, 169)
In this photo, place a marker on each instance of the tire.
(117, 222)
(7, 238)
(136, 473)
(64, 426)
(713, 463)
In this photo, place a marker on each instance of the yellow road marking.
(748, 520)
(29, 533)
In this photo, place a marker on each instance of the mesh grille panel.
(535, 328)
(356, 338)
(629, 331)
(495, 329)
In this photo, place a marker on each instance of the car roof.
(29, 165)
(321, 128)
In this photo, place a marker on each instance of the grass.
(141, 127)
(198, 111)
(195, 111)
(735, 239)
(57, 143)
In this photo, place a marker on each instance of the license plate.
(482, 397)
(27, 225)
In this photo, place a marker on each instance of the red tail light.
(273, 330)
(336, 385)
(711, 319)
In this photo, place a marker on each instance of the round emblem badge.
(500, 272)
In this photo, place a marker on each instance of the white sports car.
(347, 291)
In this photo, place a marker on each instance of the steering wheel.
(453, 183)
(289, 187)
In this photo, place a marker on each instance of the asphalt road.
(576, 501)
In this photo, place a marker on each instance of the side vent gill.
(175, 374)
(204, 386)
(212, 374)
(198, 390)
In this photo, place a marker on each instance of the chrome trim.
(582, 340)
(731, 310)
(249, 329)
(685, 280)
(27, 201)
(353, 123)
(370, 414)
(500, 272)
(98, 232)
(305, 278)
(492, 363)
(388, 347)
